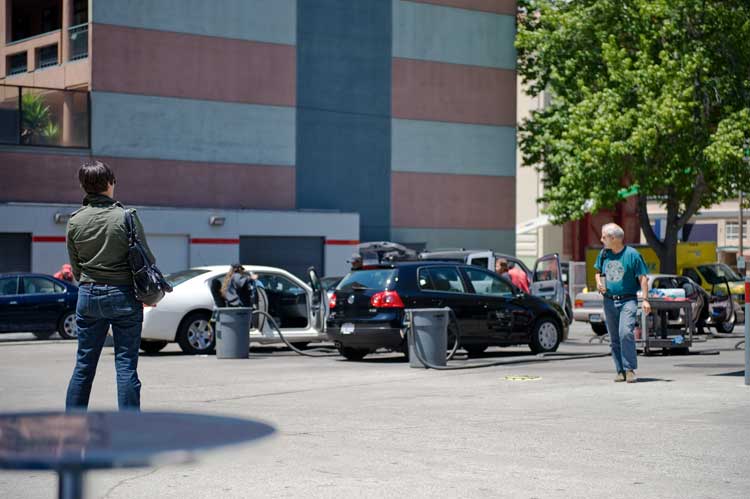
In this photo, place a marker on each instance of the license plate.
(347, 328)
(595, 318)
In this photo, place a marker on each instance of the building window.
(46, 56)
(732, 230)
(17, 63)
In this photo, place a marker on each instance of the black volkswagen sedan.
(39, 304)
(367, 308)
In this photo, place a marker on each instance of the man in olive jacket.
(98, 248)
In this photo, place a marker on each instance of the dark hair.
(95, 177)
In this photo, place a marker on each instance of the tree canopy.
(653, 93)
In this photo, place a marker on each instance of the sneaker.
(619, 378)
(630, 377)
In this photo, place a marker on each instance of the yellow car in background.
(712, 277)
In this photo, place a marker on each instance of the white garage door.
(172, 252)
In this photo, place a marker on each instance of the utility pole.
(741, 252)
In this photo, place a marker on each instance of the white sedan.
(183, 316)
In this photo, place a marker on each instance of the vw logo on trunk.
(350, 300)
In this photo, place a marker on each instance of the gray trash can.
(233, 332)
(429, 333)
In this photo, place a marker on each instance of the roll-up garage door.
(15, 249)
(294, 254)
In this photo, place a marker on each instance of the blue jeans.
(622, 317)
(99, 306)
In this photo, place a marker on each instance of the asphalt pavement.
(378, 428)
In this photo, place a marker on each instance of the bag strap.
(130, 226)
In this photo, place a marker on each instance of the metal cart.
(649, 340)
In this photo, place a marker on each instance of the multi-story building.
(277, 132)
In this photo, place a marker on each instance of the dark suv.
(367, 308)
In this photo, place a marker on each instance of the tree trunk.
(666, 250)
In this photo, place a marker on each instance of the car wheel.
(545, 337)
(599, 329)
(350, 353)
(66, 326)
(726, 327)
(43, 335)
(152, 346)
(474, 350)
(195, 334)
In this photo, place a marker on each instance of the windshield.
(716, 273)
(177, 278)
(329, 282)
(380, 279)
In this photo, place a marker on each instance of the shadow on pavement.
(733, 373)
(651, 380)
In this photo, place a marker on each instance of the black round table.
(74, 442)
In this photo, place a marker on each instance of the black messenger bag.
(148, 281)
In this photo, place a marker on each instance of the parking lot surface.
(378, 428)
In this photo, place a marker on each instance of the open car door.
(547, 282)
(319, 303)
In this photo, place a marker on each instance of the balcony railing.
(46, 56)
(31, 116)
(17, 63)
(79, 41)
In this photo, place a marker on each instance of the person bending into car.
(501, 269)
(97, 244)
(238, 288)
(620, 271)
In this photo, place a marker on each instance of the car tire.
(66, 326)
(195, 334)
(475, 350)
(599, 329)
(726, 327)
(350, 353)
(43, 335)
(545, 336)
(152, 346)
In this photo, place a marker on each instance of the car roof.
(225, 268)
(25, 274)
(417, 263)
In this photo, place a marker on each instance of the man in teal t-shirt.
(621, 272)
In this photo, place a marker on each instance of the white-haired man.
(621, 271)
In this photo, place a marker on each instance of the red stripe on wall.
(494, 6)
(436, 91)
(439, 201)
(209, 240)
(342, 242)
(167, 64)
(48, 239)
(51, 178)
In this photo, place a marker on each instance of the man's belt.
(620, 297)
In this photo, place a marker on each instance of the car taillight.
(332, 301)
(148, 306)
(386, 299)
(579, 303)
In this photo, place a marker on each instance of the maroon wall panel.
(167, 64)
(436, 91)
(427, 200)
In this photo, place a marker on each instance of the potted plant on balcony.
(38, 126)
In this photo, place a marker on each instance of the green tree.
(653, 93)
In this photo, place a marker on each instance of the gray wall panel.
(458, 36)
(503, 241)
(438, 147)
(138, 126)
(259, 20)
